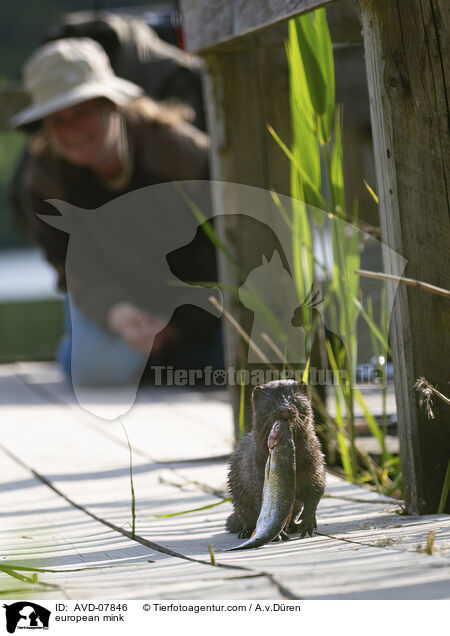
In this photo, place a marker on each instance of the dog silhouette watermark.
(26, 615)
(123, 251)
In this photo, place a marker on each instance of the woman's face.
(80, 133)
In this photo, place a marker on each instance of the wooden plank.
(41, 529)
(208, 24)
(88, 560)
(342, 16)
(365, 550)
(329, 569)
(407, 57)
(160, 414)
(327, 566)
(333, 570)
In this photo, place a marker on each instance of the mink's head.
(281, 400)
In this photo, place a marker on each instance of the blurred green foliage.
(11, 144)
(30, 329)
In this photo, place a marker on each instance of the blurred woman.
(95, 138)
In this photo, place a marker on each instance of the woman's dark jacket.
(163, 149)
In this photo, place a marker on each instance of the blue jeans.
(91, 356)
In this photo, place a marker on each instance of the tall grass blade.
(336, 169)
(372, 193)
(348, 456)
(376, 331)
(306, 371)
(315, 198)
(317, 55)
(211, 554)
(445, 491)
(187, 512)
(394, 485)
(373, 426)
(242, 410)
(133, 497)
(343, 448)
(324, 46)
(310, 53)
(305, 146)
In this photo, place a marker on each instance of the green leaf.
(317, 55)
(302, 249)
(315, 197)
(305, 145)
(211, 554)
(314, 212)
(373, 327)
(308, 42)
(445, 490)
(395, 484)
(372, 193)
(373, 426)
(327, 63)
(337, 171)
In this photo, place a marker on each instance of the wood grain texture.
(407, 58)
(209, 23)
(73, 522)
(245, 90)
(247, 86)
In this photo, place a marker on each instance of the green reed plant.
(317, 218)
(317, 183)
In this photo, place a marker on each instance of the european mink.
(280, 399)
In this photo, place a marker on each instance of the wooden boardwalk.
(65, 507)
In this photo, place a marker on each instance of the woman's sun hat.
(66, 72)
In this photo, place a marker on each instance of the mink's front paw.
(246, 533)
(307, 526)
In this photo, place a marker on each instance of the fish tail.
(253, 542)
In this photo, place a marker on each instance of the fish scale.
(279, 488)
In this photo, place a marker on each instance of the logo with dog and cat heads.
(26, 615)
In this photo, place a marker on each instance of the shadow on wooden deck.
(65, 507)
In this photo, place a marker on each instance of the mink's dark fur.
(280, 399)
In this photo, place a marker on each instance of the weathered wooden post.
(407, 55)
(247, 86)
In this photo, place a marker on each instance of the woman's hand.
(136, 327)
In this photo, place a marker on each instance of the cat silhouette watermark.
(26, 615)
(122, 251)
